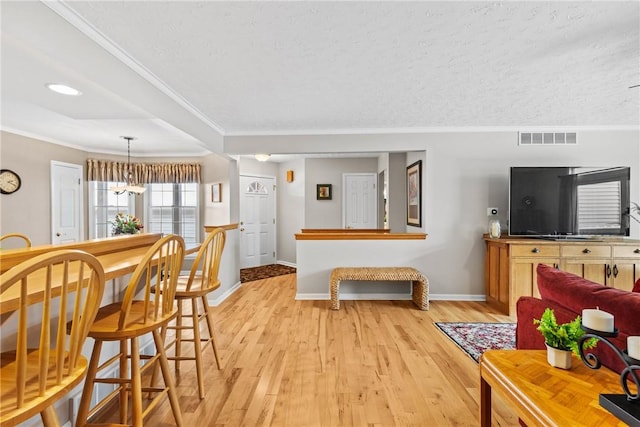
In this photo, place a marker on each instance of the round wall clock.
(9, 181)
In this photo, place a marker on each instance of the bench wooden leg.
(419, 295)
(335, 301)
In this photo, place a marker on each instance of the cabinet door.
(524, 278)
(497, 276)
(626, 266)
(596, 270)
(625, 273)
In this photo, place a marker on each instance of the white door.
(66, 202)
(257, 221)
(360, 200)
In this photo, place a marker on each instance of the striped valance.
(143, 173)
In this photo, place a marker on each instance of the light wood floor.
(298, 363)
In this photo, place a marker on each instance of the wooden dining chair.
(33, 379)
(202, 280)
(27, 241)
(126, 322)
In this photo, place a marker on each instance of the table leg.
(485, 403)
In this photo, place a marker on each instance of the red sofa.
(567, 294)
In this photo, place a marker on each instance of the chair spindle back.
(207, 262)
(159, 268)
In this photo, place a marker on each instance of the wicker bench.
(420, 284)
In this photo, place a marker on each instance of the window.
(104, 205)
(601, 201)
(599, 206)
(173, 209)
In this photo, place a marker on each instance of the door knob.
(58, 234)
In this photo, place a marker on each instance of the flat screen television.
(569, 202)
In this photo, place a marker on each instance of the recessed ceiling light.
(63, 89)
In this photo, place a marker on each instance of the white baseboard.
(457, 297)
(312, 297)
(353, 297)
(390, 297)
(287, 263)
(213, 302)
(398, 297)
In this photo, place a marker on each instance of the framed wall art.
(216, 192)
(323, 191)
(414, 194)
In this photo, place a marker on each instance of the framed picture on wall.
(216, 192)
(414, 194)
(323, 191)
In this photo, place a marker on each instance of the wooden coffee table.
(542, 395)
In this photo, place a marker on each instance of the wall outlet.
(492, 211)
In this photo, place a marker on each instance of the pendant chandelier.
(130, 186)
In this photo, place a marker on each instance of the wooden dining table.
(117, 258)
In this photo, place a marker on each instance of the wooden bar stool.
(126, 322)
(202, 279)
(33, 379)
(27, 241)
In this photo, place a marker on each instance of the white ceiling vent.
(547, 138)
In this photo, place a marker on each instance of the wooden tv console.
(510, 265)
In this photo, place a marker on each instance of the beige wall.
(328, 213)
(290, 210)
(28, 210)
(463, 173)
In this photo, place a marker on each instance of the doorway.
(360, 200)
(66, 202)
(257, 221)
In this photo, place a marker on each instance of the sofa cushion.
(575, 293)
(529, 338)
(528, 308)
(636, 287)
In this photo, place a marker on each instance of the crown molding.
(434, 129)
(101, 151)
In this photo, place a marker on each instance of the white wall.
(248, 166)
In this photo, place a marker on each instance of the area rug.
(476, 338)
(264, 272)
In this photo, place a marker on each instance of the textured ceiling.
(252, 68)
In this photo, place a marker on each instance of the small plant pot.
(559, 358)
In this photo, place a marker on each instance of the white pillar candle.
(597, 320)
(633, 347)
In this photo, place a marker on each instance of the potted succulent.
(561, 340)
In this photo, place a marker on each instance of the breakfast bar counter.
(118, 255)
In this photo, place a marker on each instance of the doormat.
(477, 337)
(264, 272)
